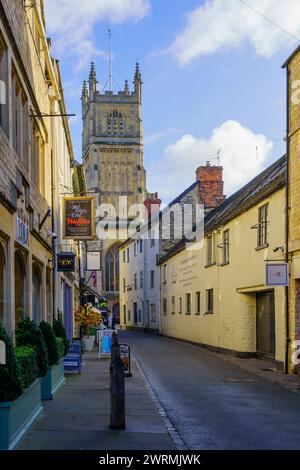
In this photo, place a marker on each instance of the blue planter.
(16, 417)
(53, 381)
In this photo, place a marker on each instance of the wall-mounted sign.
(93, 261)
(79, 218)
(277, 274)
(66, 262)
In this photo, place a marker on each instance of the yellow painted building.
(216, 294)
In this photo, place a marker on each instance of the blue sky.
(211, 71)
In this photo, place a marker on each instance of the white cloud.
(223, 24)
(72, 23)
(243, 155)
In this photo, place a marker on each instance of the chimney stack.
(152, 204)
(211, 185)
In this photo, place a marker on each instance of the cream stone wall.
(232, 325)
(294, 200)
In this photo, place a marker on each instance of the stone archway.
(2, 284)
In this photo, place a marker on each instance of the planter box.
(16, 417)
(53, 381)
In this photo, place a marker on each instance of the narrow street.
(212, 404)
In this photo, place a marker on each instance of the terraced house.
(215, 294)
(36, 156)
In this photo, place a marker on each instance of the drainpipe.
(287, 192)
(53, 199)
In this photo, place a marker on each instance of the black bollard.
(117, 387)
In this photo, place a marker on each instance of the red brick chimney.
(211, 185)
(152, 204)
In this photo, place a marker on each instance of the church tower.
(113, 141)
(112, 146)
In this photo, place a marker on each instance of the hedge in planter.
(60, 332)
(60, 347)
(51, 344)
(10, 376)
(29, 334)
(26, 356)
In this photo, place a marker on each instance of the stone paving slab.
(78, 418)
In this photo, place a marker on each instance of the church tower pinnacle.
(92, 79)
(138, 83)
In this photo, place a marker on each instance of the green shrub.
(26, 356)
(60, 332)
(10, 378)
(60, 347)
(51, 343)
(29, 334)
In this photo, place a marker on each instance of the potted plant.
(60, 332)
(88, 317)
(20, 392)
(55, 377)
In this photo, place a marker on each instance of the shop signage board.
(277, 274)
(93, 261)
(78, 218)
(125, 355)
(66, 262)
(104, 340)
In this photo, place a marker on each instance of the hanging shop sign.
(66, 262)
(93, 261)
(78, 218)
(277, 274)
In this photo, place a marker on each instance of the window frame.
(197, 303)
(210, 301)
(188, 303)
(262, 226)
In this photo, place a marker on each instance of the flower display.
(88, 316)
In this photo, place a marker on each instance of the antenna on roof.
(218, 156)
(110, 79)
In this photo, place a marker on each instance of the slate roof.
(262, 186)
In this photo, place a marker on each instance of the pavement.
(78, 417)
(213, 402)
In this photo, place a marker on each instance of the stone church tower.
(112, 145)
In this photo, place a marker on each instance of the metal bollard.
(117, 387)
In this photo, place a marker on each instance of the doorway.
(265, 325)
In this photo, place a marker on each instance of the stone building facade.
(112, 145)
(292, 66)
(36, 155)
